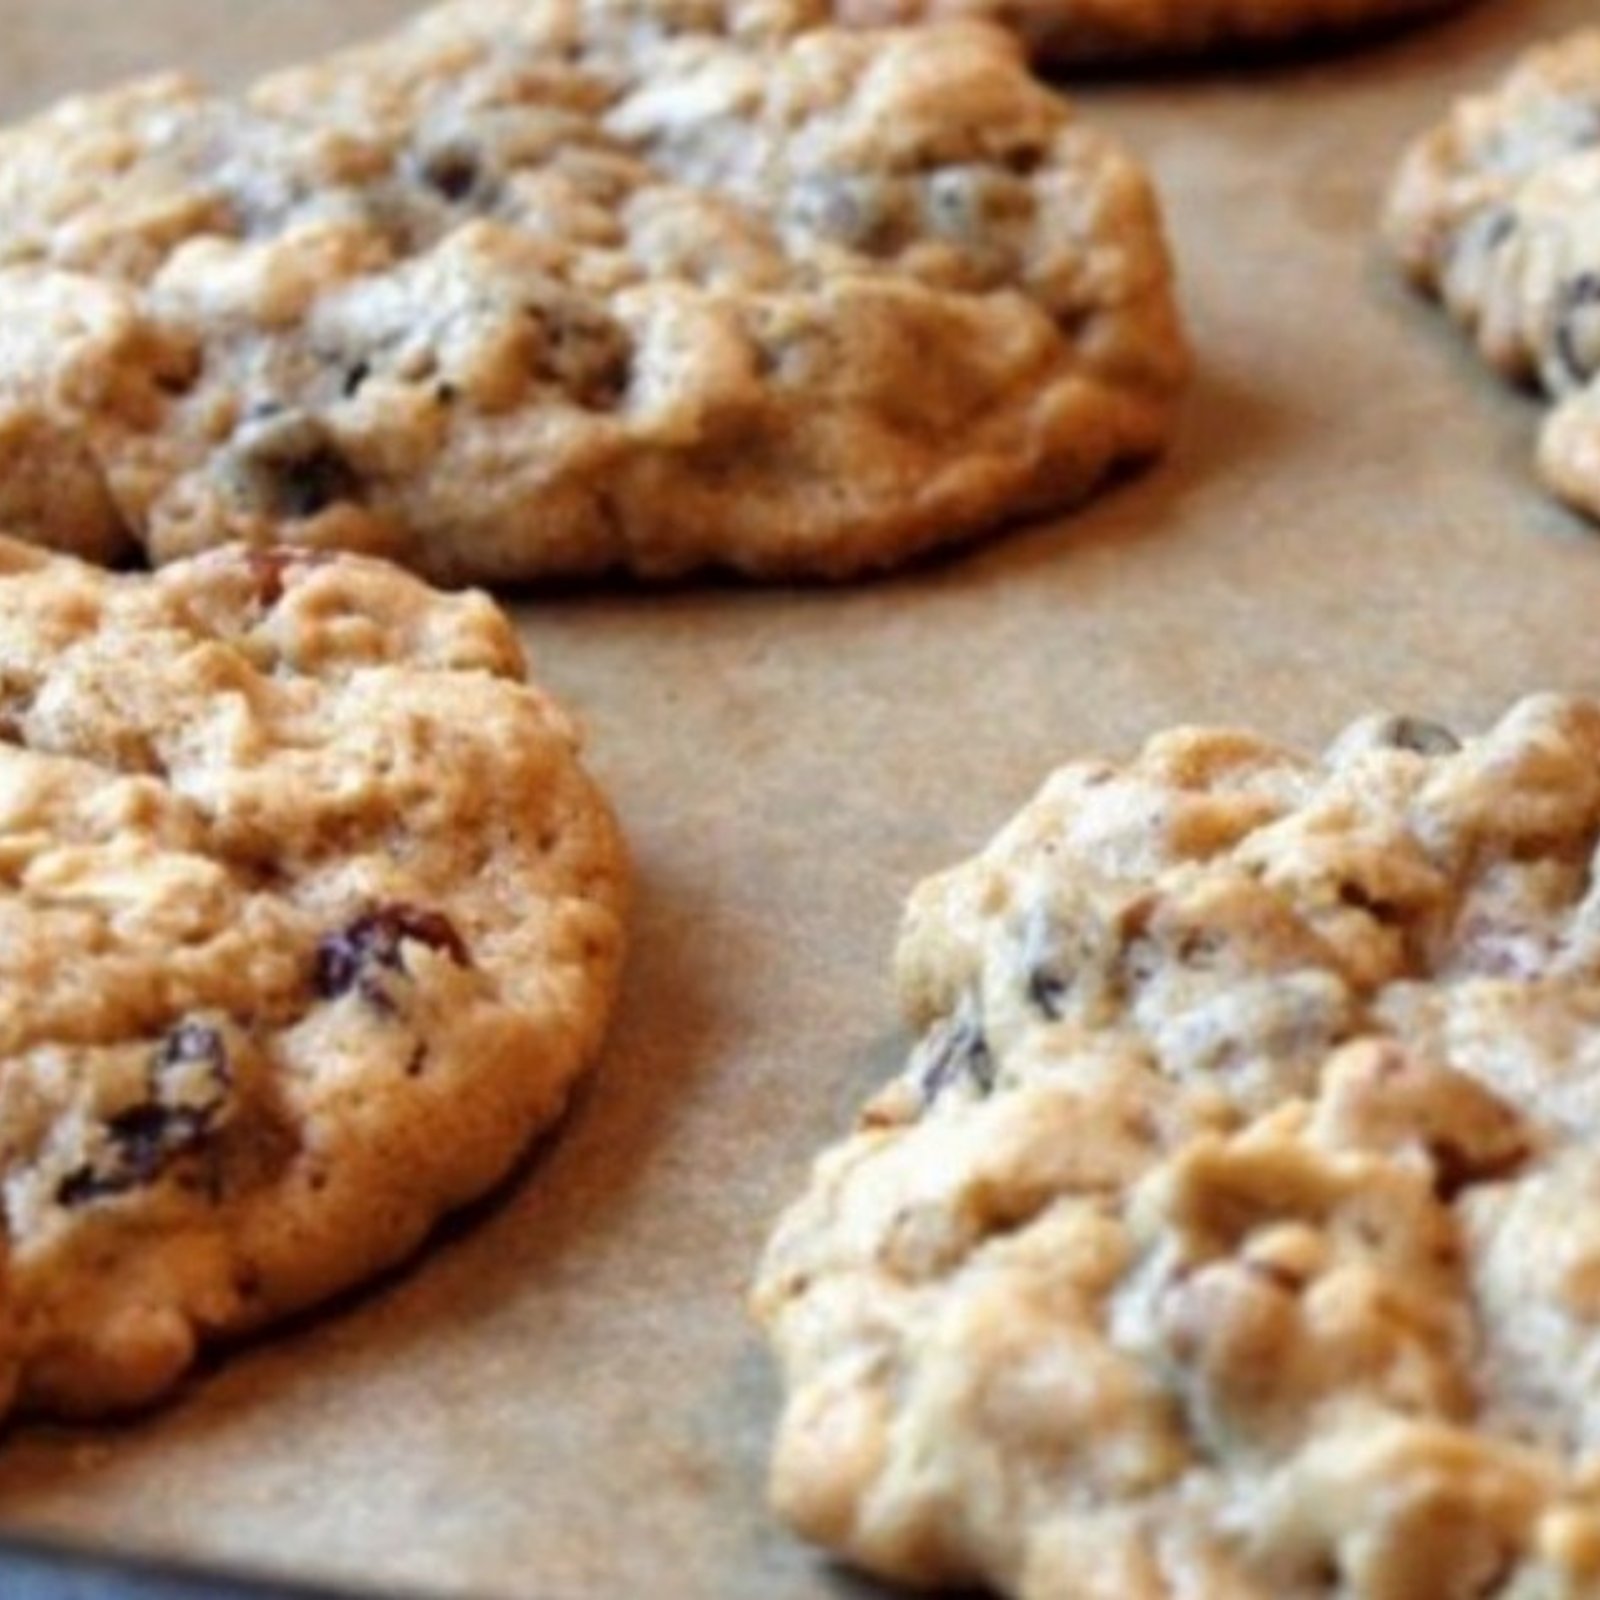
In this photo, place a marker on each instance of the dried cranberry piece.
(354, 957)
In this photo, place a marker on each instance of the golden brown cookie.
(309, 918)
(1496, 212)
(1235, 1227)
(536, 287)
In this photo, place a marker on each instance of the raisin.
(453, 170)
(286, 464)
(1419, 735)
(1047, 964)
(1047, 990)
(1578, 297)
(956, 1052)
(190, 1081)
(357, 956)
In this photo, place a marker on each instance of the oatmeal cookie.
(1496, 212)
(552, 287)
(1235, 1227)
(309, 917)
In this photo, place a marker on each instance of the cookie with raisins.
(1494, 213)
(1233, 1227)
(309, 919)
(534, 289)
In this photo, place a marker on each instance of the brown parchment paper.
(563, 1399)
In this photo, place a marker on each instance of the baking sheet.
(563, 1399)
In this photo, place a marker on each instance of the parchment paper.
(563, 1399)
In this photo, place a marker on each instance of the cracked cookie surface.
(1233, 1227)
(309, 917)
(1496, 212)
(1095, 31)
(551, 287)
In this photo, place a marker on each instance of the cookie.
(539, 288)
(1235, 1226)
(1495, 213)
(309, 918)
(1092, 32)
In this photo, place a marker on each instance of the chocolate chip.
(189, 1085)
(287, 464)
(355, 379)
(357, 956)
(1417, 734)
(956, 1052)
